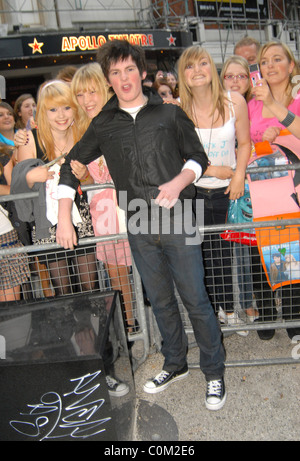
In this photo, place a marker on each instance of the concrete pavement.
(263, 402)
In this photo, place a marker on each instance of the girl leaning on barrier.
(220, 118)
(90, 92)
(57, 132)
(7, 137)
(276, 101)
(275, 106)
(14, 269)
(235, 76)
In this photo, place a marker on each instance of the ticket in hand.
(55, 160)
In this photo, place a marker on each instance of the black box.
(55, 355)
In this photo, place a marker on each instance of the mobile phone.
(28, 125)
(254, 74)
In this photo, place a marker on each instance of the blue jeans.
(244, 272)
(162, 260)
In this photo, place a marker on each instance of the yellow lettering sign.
(92, 42)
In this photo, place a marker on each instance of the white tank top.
(5, 224)
(219, 145)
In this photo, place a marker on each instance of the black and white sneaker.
(116, 388)
(215, 394)
(164, 379)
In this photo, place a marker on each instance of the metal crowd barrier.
(278, 308)
(58, 272)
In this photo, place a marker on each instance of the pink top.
(108, 218)
(259, 124)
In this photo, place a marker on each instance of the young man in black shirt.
(153, 155)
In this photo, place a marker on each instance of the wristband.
(288, 119)
(86, 177)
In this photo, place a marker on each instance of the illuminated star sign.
(36, 46)
(171, 40)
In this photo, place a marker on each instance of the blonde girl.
(57, 133)
(220, 118)
(235, 76)
(90, 92)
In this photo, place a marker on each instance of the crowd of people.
(180, 135)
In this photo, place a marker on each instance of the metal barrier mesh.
(60, 272)
(236, 280)
(261, 286)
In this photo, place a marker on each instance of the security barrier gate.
(54, 271)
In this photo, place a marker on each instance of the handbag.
(273, 193)
(240, 212)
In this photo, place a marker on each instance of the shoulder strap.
(292, 158)
(230, 105)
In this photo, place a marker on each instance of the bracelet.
(288, 119)
(86, 177)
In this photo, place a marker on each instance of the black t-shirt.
(4, 159)
(22, 228)
(39, 153)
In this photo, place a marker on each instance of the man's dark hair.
(116, 50)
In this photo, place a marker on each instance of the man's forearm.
(65, 232)
(85, 151)
(186, 177)
(64, 209)
(195, 167)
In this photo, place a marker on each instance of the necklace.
(199, 132)
(62, 151)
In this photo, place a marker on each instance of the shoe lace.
(110, 381)
(214, 387)
(161, 376)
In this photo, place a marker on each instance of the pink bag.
(274, 197)
(272, 193)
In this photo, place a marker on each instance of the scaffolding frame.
(281, 22)
(163, 13)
